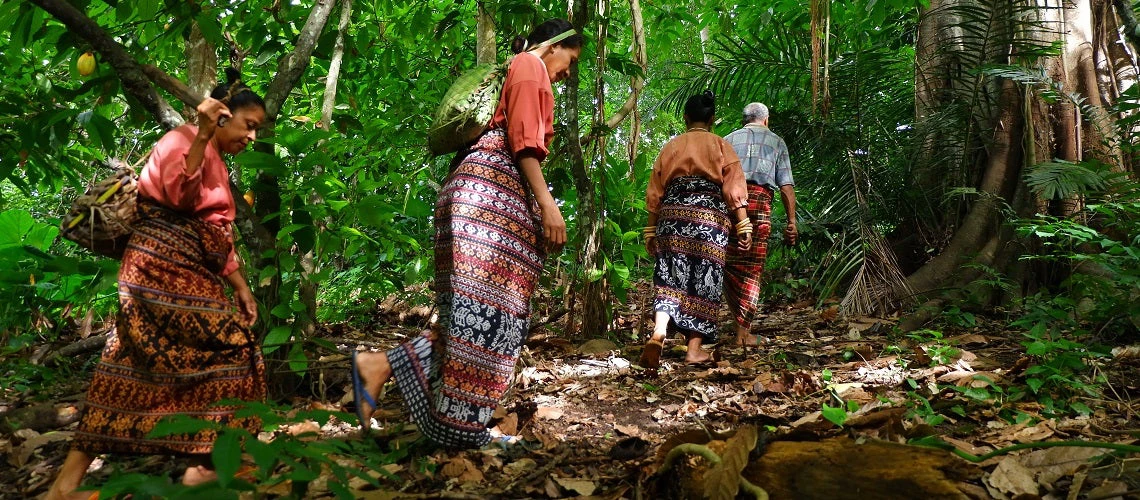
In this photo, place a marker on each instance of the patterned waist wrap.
(487, 262)
(745, 268)
(178, 347)
(688, 275)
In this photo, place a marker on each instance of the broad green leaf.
(226, 456)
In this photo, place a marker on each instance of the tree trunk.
(1025, 130)
(201, 68)
(595, 306)
(485, 48)
(579, 17)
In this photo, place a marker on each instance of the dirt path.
(587, 423)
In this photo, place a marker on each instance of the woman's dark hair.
(235, 93)
(701, 107)
(546, 31)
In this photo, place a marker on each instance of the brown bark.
(293, 65)
(201, 68)
(328, 104)
(595, 312)
(1002, 169)
(485, 49)
(587, 210)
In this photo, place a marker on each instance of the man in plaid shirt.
(764, 159)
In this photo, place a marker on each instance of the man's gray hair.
(755, 113)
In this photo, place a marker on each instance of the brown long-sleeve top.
(526, 108)
(698, 153)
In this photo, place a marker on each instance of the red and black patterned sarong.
(487, 262)
(745, 268)
(178, 347)
(688, 277)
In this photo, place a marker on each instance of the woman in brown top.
(696, 183)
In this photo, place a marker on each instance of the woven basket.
(467, 108)
(101, 220)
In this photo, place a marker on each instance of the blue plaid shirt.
(763, 156)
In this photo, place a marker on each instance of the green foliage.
(939, 349)
(42, 286)
(299, 459)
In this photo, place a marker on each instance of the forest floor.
(587, 423)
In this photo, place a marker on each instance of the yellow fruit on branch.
(249, 197)
(86, 64)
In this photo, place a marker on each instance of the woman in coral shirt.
(180, 345)
(495, 220)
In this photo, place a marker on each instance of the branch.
(334, 66)
(636, 83)
(173, 85)
(135, 82)
(292, 66)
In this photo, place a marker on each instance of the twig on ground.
(545, 469)
(554, 317)
(92, 343)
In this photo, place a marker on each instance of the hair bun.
(518, 45)
(709, 96)
(232, 75)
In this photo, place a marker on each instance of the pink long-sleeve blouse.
(204, 195)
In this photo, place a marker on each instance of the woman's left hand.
(247, 306)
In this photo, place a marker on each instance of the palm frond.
(1060, 179)
(774, 69)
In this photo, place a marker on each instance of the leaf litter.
(582, 421)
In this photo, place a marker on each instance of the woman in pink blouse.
(495, 220)
(180, 344)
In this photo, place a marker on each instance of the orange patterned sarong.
(178, 347)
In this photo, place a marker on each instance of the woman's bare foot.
(70, 476)
(695, 355)
(375, 370)
(198, 474)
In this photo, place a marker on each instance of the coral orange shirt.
(526, 107)
(204, 195)
(703, 154)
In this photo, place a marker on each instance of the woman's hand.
(210, 114)
(651, 245)
(553, 227)
(744, 241)
(247, 306)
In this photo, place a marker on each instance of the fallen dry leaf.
(21, 455)
(1054, 463)
(1012, 478)
(548, 413)
(628, 430)
(579, 486)
(509, 425)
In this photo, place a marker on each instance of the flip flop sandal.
(358, 392)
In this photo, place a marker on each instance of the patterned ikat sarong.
(178, 347)
(744, 269)
(692, 232)
(487, 261)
